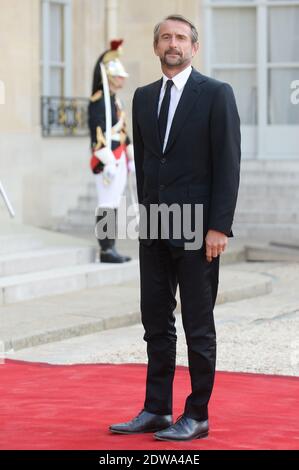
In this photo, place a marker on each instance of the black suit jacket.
(201, 162)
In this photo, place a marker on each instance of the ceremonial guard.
(112, 152)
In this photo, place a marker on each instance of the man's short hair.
(194, 32)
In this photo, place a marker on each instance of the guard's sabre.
(6, 200)
(108, 115)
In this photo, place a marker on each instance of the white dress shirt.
(179, 82)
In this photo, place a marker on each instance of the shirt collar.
(179, 79)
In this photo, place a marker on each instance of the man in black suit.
(186, 132)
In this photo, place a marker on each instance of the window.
(234, 56)
(56, 60)
(254, 45)
(283, 62)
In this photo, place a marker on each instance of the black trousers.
(162, 268)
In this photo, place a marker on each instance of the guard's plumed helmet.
(112, 64)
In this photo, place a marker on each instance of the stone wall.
(44, 176)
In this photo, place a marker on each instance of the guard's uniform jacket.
(97, 126)
(120, 154)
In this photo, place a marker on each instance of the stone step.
(78, 218)
(274, 181)
(91, 189)
(68, 279)
(238, 285)
(285, 244)
(83, 220)
(282, 203)
(277, 217)
(233, 254)
(78, 212)
(269, 177)
(270, 165)
(256, 188)
(43, 321)
(18, 243)
(44, 259)
(87, 203)
(75, 229)
(260, 190)
(275, 232)
(90, 193)
(87, 206)
(262, 252)
(287, 211)
(79, 221)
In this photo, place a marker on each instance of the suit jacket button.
(163, 160)
(162, 186)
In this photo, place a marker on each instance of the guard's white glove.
(130, 152)
(105, 155)
(131, 166)
(109, 173)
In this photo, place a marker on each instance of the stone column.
(112, 20)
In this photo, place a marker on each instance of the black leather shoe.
(184, 429)
(144, 422)
(112, 256)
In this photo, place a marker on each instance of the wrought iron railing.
(64, 116)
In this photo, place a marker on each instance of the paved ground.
(58, 317)
(259, 334)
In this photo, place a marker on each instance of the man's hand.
(216, 243)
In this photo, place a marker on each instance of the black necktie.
(163, 115)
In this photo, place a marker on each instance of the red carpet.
(70, 407)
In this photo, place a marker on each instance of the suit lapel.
(188, 99)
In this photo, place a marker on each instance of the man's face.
(116, 82)
(174, 46)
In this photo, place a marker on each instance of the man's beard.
(179, 61)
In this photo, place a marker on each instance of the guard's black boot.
(110, 255)
(108, 252)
